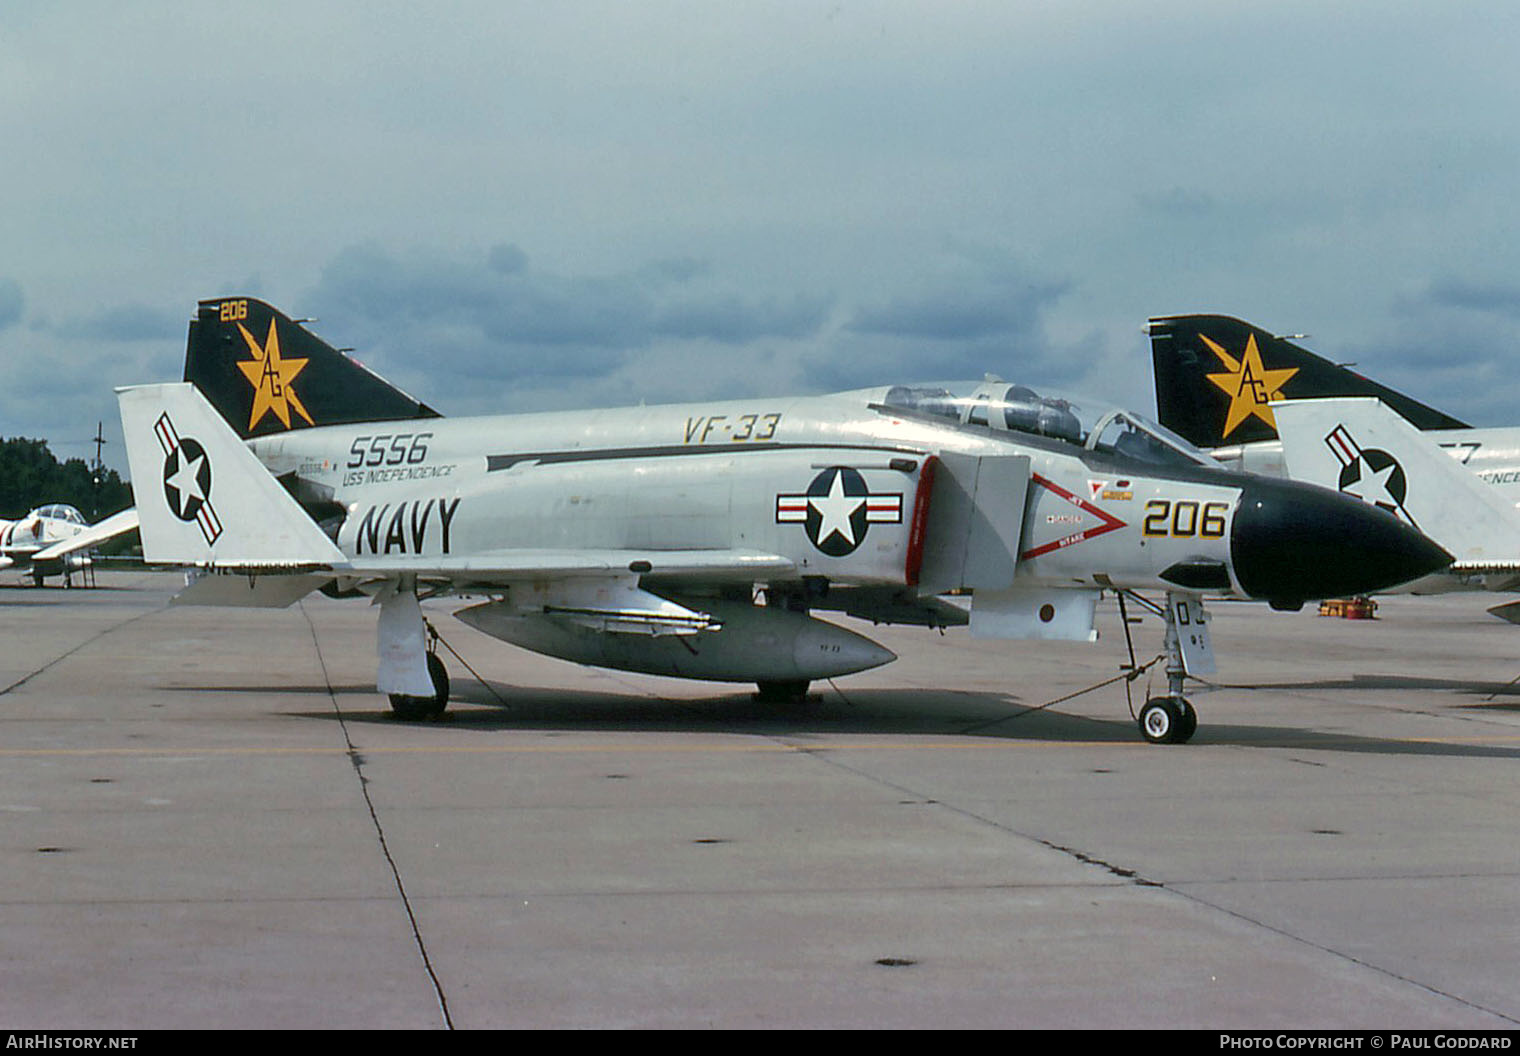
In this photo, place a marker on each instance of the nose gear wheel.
(1169, 719)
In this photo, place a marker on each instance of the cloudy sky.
(510, 206)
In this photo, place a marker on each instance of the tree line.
(30, 476)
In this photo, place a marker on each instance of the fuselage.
(840, 485)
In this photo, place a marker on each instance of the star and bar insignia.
(1370, 474)
(187, 479)
(837, 510)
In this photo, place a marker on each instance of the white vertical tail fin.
(1360, 446)
(202, 497)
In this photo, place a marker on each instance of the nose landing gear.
(1171, 719)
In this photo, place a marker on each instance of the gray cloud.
(1177, 202)
(955, 313)
(1498, 298)
(440, 325)
(428, 317)
(506, 259)
(1450, 346)
(965, 294)
(969, 312)
(125, 322)
(731, 319)
(511, 303)
(12, 303)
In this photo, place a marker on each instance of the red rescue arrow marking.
(1110, 522)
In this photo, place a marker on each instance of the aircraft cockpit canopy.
(59, 511)
(1001, 407)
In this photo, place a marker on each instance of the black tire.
(1165, 720)
(794, 692)
(414, 709)
(440, 676)
(1189, 725)
(411, 709)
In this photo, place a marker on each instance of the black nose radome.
(1294, 542)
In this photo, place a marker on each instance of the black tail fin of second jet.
(1217, 377)
(266, 373)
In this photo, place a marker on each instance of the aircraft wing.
(226, 585)
(96, 534)
(516, 565)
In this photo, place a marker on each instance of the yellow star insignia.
(1250, 386)
(270, 377)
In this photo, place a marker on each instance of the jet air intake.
(1293, 542)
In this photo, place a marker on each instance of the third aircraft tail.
(1218, 377)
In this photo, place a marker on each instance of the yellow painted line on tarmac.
(504, 749)
(972, 742)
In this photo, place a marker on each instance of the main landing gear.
(1171, 719)
(416, 708)
(787, 692)
(408, 646)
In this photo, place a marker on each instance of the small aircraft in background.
(698, 540)
(56, 539)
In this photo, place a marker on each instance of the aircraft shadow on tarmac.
(1495, 696)
(476, 706)
(1395, 682)
(20, 589)
(501, 706)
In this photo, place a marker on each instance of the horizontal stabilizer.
(203, 497)
(234, 590)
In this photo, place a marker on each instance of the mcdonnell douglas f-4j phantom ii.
(696, 540)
